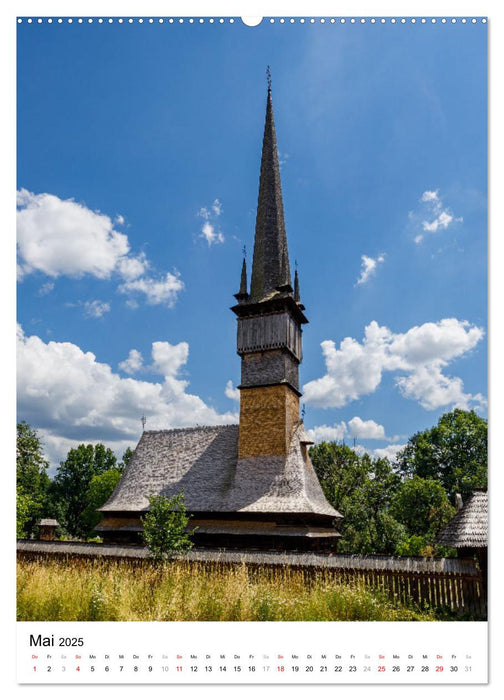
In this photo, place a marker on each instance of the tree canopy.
(453, 452)
(360, 488)
(422, 505)
(32, 480)
(125, 460)
(71, 483)
(31, 465)
(400, 507)
(165, 526)
(98, 492)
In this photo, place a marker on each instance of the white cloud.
(62, 237)
(327, 433)
(430, 342)
(389, 452)
(432, 389)
(352, 371)
(368, 267)
(209, 233)
(169, 359)
(434, 215)
(366, 429)
(95, 308)
(46, 288)
(209, 228)
(68, 394)
(282, 159)
(133, 362)
(419, 355)
(157, 291)
(430, 196)
(355, 428)
(232, 392)
(131, 268)
(442, 221)
(56, 448)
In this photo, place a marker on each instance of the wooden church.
(250, 485)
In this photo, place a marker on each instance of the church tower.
(250, 485)
(270, 318)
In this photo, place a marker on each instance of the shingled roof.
(203, 463)
(469, 528)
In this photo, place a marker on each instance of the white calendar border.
(310, 653)
(274, 8)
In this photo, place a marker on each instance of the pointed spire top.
(243, 294)
(270, 268)
(268, 77)
(297, 296)
(243, 281)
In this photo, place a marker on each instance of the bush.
(418, 546)
(414, 546)
(165, 526)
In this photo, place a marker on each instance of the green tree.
(32, 481)
(125, 460)
(99, 491)
(31, 465)
(25, 508)
(414, 546)
(339, 469)
(165, 526)
(360, 488)
(70, 485)
(453, 452)
(422, 505)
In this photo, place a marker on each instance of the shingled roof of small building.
(469, 527)
(48, 522)
(203, 463)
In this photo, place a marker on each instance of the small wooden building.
(47, 528)
(467, 531)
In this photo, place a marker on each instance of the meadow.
(83, 589)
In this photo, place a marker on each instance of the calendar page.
(252, 328)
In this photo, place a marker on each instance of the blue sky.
(138, 165)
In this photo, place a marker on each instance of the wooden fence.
(453, 584)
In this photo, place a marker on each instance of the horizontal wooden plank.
(354, 562)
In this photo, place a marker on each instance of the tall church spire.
(270, 268)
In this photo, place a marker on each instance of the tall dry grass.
(180, 590)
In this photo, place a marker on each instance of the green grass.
(180, 590)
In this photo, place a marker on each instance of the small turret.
(243, 294)
(296, 287)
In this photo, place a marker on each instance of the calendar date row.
(287, 669)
